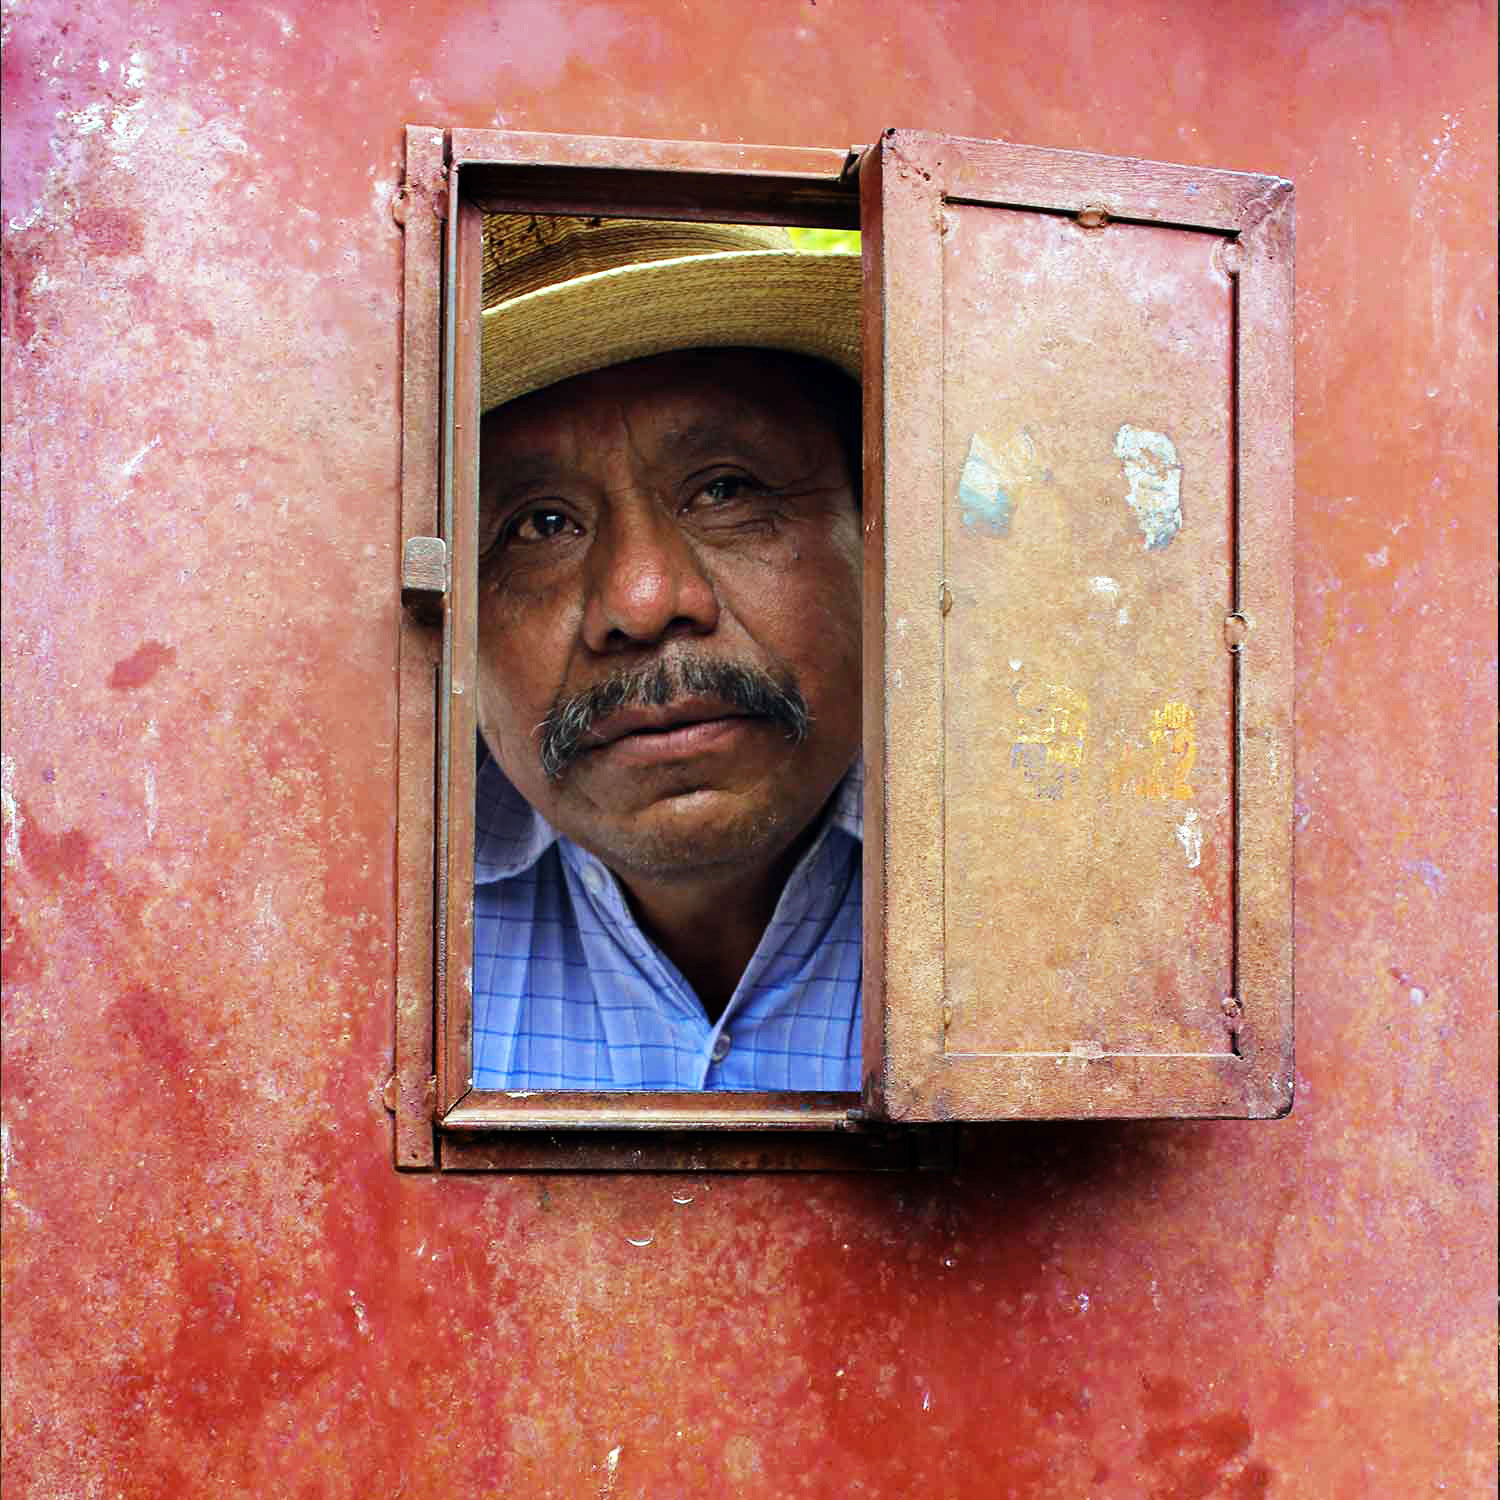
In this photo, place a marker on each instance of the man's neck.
(710, 928)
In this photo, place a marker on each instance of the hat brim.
(804, 304)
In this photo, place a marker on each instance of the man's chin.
(692, 833)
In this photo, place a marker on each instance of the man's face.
(687, 513)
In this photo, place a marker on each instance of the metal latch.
(424, 577)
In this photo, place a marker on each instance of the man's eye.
(540, 524)
(727, 487)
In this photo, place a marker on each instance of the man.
(668, 817)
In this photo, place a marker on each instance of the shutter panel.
(1078, 635)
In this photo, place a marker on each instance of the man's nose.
(646, 582)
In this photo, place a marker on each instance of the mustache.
(751, 690)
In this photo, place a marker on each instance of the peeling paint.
(1155, 477)
(361, 1320)
(11, 812)
(1161, 769)
(1108, 589)
(992, 479)
(1050, 742)
(1190, 836)
(981, 495)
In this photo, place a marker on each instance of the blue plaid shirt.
(569, 993)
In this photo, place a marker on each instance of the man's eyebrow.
(517, 474)
(697, 436)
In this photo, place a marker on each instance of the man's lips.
(645, 722)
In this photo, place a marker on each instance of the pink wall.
(213, 1278)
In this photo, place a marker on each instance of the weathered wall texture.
(214, 1282)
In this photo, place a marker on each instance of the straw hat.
(563, 296)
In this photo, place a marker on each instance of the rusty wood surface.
(1070, 182)
(489, 1109)
(820, 204)
(873, 954)
(420, 648)
(517, 172)
(1087, 738)
(1087, 1084)
(1266, 549)
(636, 153)
(904, 687)
(455, 1017)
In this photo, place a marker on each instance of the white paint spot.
(263, 926)
(127, 125)
(1155, 476)
(14, 822)
(926, 1400)
(6, 1154)
(104, 65)
(150, 803)
(86, 121)
(1122, 616)
(358, 1307)
(134, 73)
(682, 1198)
(1378, 559)
(640, 1244)
(1418, 994)
(612, 1460)
(1190, 836)
(1015, 664)
(1105, 585)
(131, 467)
(1083, 1301)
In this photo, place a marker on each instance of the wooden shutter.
(1077, 635)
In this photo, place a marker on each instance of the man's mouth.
(675, 705)
(638, 722)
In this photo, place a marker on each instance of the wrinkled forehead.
(679, 401)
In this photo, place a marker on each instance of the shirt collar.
(510, 835)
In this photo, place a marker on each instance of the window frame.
(452, 179)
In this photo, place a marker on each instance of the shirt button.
(721, 1047)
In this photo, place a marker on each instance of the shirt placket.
(676, 1007)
